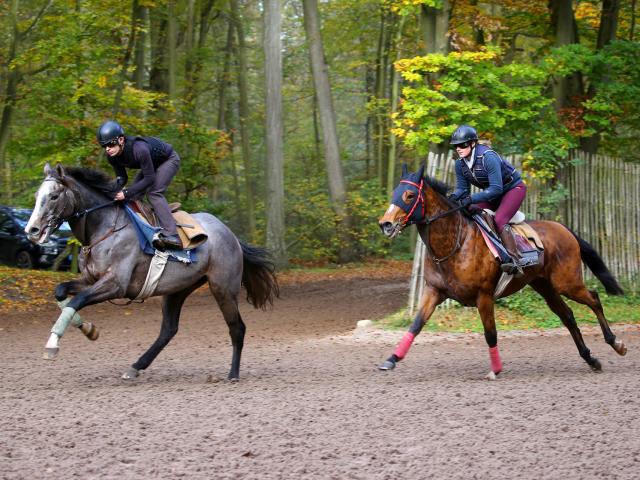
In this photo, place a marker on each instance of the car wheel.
(24, 260)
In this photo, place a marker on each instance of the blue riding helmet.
(410, 182)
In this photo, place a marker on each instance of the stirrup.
(512, 268)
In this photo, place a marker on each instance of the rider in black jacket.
(158, 164)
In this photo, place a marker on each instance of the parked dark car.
(16, 249)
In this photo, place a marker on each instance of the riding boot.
(164, 242)
(172, 242)
(512, 265)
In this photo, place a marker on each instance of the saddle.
(528, 241)
(190, 231)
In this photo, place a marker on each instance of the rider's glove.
(465, 201)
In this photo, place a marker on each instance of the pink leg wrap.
(404, 345)
(496, 363)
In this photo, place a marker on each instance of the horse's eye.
(54, 196)
(408, 196)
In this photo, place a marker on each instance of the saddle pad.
(526, 231)
(145, 234)
(189, 230)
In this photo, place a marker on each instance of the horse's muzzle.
(35, 235)
(389, 229)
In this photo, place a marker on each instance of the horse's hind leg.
(228, 304)
(591, 299)
(171, 307)
(562, 310)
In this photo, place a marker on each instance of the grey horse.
(113, 265)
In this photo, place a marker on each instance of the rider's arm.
(143, 157)
(462, 184)
(494, 190)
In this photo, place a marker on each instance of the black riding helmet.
(464, 133)
(108, 132)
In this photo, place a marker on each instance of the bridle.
(54, 221)
(420, 199)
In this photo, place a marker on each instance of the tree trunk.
(140, 15)
(380, 114)
(395, 84)
(274, 130)
(434, 25)
(171, 49)
(565, 89)
(12, 80)
(223, 79)
(608, 23)
(632, 27)
(244, 113)
(337, 187)
(125, 61)
(606, 34)
(158, 73)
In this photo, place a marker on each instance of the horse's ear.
(421, 170)
(60, 171)
(47, 170)
(405, 172)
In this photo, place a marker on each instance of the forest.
(293, 117)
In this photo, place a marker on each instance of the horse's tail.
(595, 263)
(258, 276)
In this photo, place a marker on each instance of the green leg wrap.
(66, 316)
(76, 321)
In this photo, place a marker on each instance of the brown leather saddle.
(190, 231)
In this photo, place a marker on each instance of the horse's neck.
(442, 234)
(91, 225)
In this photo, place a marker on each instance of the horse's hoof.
(620, 348)
(491, 376)
(233, 379)
(387, 365)
(90, 331)
(595, 365)
(130, 374)
(50, 353)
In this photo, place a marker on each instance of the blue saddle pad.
(145, 237)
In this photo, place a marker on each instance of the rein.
(84, 212)
(428, 221)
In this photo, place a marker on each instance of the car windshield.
(22, 216)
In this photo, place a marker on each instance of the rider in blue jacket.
(502, 188)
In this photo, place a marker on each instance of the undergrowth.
(522, 311)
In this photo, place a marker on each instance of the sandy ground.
(310, 403)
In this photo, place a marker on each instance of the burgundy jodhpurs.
(507, 206)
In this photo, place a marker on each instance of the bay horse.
(459, 265)
(113, 265)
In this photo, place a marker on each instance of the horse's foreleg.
(98, 292)
(431, 299)
(562, 310)
(485, 304)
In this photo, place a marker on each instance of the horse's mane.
(92, 178)
(440, 187)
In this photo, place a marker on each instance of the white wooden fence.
(602, 206)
